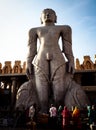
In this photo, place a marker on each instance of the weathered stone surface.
(26, 95)
(87, 64)
(17, 67)
(7, 69)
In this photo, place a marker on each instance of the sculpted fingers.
(71, 68)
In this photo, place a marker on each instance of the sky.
(17, 17)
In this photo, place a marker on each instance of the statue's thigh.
(41, 82)
(58, 82)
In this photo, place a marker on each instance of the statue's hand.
(71, 68)
(30, 71)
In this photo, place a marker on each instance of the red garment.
(66, 116)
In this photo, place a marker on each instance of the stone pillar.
(95, 79)
(78, 77)
(13, 90)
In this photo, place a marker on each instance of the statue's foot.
(42, 111)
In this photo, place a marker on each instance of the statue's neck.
(48, 24)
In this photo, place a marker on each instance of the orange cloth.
(76, 117)
(76, 112)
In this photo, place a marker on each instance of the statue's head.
(48, 15)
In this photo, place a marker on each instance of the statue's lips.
(48, 20)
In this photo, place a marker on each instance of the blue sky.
(18, 16)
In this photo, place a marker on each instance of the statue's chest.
(47, 32)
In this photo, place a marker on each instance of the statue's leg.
(42, 89)
(58, 86)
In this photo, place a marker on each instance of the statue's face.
(48, 15)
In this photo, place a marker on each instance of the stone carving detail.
(78, 64)
(7, 69)
(0, 68)
(87, 64)
(17, 67)
(24, 67)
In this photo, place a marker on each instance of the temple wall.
(17, 67)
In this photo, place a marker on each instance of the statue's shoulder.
(32, 30)
(67, 27)
(64, 28)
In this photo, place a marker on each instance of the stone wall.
(87, 64)
(17, 67)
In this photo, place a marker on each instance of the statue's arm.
(32, 51)
(67, 47)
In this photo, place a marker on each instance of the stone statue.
(50, 75)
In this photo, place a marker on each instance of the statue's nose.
(47, 15)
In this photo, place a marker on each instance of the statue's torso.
(49, 49)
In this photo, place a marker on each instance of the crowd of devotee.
(57, 118)
(62, 119)
(76, 119)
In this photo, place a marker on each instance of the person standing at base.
(92, 117)
(66, 118)
(76, 118)
(32, 114)
(59, 117)
(53, 116)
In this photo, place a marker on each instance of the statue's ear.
(55, 19)
(41, 20)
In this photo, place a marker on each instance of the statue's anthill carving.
(50, 76)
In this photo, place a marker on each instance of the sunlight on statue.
(50, 75)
